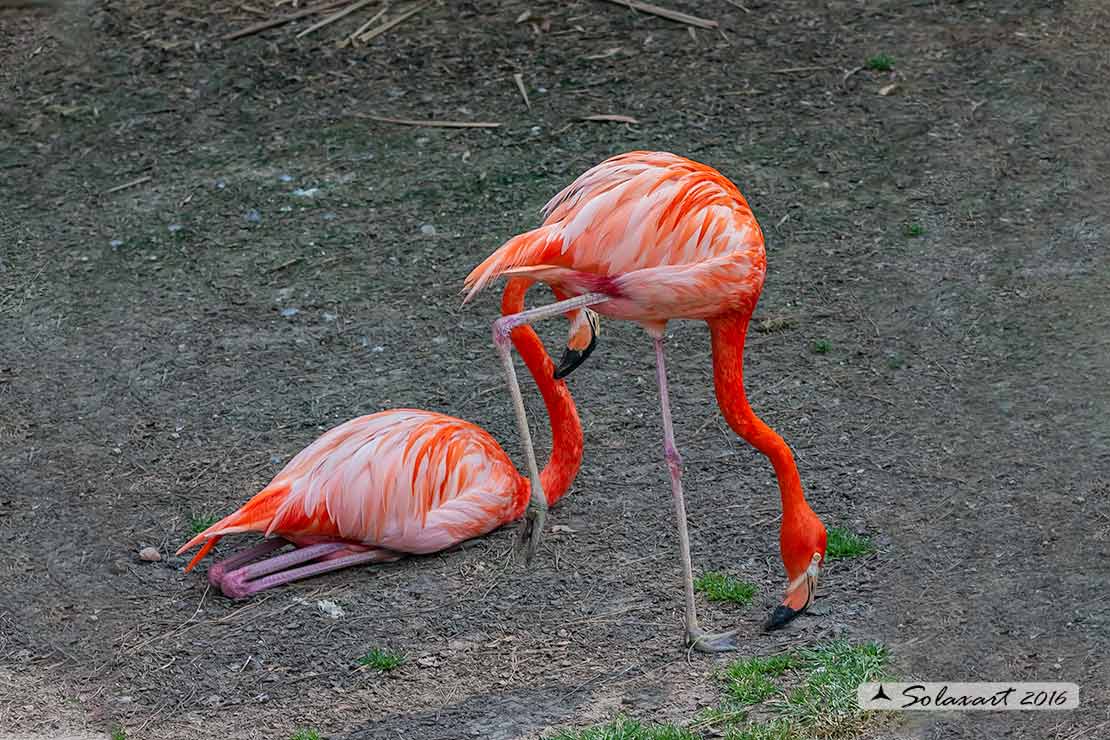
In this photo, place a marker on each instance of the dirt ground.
(947, 240)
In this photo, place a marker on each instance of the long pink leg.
(217, 571)
(239, 584)
(531, 527)
(695, 636)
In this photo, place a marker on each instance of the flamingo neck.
(728, 334)
(566, 430)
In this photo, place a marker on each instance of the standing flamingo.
(651, 236)
(400, 481)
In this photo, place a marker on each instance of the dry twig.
(281, 21)
(519, 79)
(334, 17)
(362, 29)
(794, 70)
(126, 185)
(671, 15)
(430, 124)
(611, 118)
(370, 35)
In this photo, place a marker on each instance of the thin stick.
(792, 70)
(519, 79)
(281, 21)
(613, 118)
(283, 265)
(671, 15)
(362, 29)
(370, 35)
(738, 5)
(133, 183)
(430, 124)
(334, 17)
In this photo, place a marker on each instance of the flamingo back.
(635, 211)
(405, 480)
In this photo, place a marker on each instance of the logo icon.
(880, 694)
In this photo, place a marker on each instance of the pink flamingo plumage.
(397, 482)
(650, 237)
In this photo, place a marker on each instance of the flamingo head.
(585, 325)
(803, 540)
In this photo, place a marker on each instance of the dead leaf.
(562, 528)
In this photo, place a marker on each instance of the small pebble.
(116, 243)
(290, 312)
(150, 554)
(428, 230)
(275, 459)
(306, 192)
(174, 228)
(330, 316)
(220, 184)
(329, 216)
(253, 216)
(286, 178)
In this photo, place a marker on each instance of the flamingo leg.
(217, 571)
(531, 526)
(249, 580)
(695, 636)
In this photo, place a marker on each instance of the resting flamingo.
(650, 237)
(399, 482)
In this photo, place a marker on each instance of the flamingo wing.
(636, 212)
(404, 480)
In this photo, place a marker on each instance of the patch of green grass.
(880, 62)
(623, 728)
(305, 735)
(382, 660)
(844, 544)
(895, 361)
(822, 346)
(749, 680)
(776, 729)
(810, 693)
(825, 702)
(719, 587)
(119, 734)
(913, 230)
(200, 523)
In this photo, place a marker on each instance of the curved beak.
(572, 358)
(800, 593)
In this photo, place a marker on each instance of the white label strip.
(982, 696)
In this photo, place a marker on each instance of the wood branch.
(671, 15)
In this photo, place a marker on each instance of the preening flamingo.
(650, 237)
(399, 482)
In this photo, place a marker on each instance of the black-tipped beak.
(572, 358)
(780, 617)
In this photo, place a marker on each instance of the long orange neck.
(566, 430)
(728, 334)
